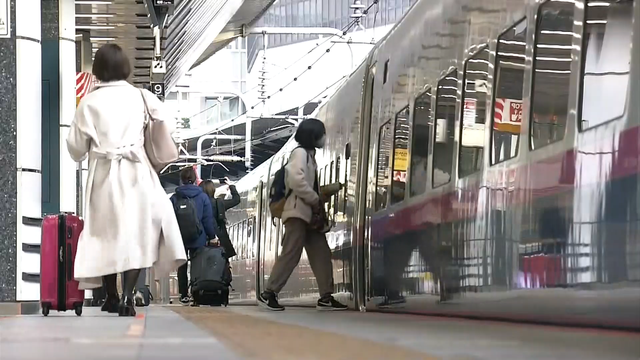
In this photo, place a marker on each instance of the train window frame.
(488, 101)
(336, 197)
(347, 164)
(376, 194)
(583, 59)
(494, 94)
(435, 132)
(406, 108)
(428, 90)
(536, 38)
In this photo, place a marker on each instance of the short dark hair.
(309, 132)
(111, 64)
(188, 175)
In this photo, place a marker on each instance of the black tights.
(130, 279)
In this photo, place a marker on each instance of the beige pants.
(298, 235)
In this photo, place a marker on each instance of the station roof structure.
(196, 30)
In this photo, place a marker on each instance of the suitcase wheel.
(45, 310)
(79, 310)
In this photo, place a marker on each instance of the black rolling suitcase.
(210, 277)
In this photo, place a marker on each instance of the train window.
(400, 156)
(347, 169)
(331, 173)
(443, 136)
(382, 168)
(507, 103)
(552, 72)
(336, 199)
(474, 114)
(607, 61)
(327, 175)
(420, 143)
(245, 240)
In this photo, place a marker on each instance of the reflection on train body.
(491, 158)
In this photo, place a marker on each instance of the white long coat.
(129, 220)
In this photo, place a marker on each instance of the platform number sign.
(157, 88)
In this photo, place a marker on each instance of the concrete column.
(20, 146)
(66, 26)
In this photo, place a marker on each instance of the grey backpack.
(210, 276)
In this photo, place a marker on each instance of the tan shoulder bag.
(158, 143)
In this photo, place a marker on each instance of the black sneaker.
(269, 301)
(330, 304)
(185, 300)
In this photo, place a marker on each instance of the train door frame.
(257, 232)
(361, 274)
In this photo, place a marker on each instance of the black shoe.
(126, 307)
(185, 300)
(330, 304)
(110, 305)
(269, 300)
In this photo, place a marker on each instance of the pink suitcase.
(58, 288)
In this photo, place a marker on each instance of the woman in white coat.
(129, 221)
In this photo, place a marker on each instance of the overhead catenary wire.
(265, 133)
(244, 142)
(345, 29)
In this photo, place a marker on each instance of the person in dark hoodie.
(195, 217)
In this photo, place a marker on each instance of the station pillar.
(37, 104)
(20, 148)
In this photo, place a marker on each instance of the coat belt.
(129, 152)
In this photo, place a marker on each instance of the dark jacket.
(234, 201)
(205, 213)
(219, 207)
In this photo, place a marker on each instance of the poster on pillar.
(5, 19)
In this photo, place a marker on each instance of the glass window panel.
(551, 79)
(337, 197)
(507, 105)
(325, 12)
(446, 96)
(420, 143)
(400, 156)
(382, 173)
(474, 113)
(607, 61)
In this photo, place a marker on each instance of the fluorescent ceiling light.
(94, 15)
(89, 27)
(93, 2)
(102, 38)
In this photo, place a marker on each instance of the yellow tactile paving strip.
(257, 338)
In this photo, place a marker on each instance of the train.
(489, 151)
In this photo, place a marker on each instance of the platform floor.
(247, 332)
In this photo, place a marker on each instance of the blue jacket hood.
(189, 190)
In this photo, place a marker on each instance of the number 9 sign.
(157, 88)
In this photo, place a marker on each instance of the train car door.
(361, 253)
(269, 241)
